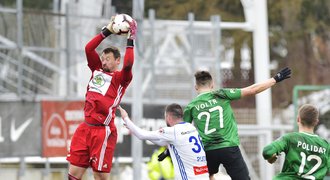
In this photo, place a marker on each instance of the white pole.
(261, 71)
(137, 105)
(19, 16)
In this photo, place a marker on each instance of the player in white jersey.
(181, 138)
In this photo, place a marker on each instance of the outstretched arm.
(259, 87)
(142, 134)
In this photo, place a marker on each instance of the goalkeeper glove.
(107, 30)
(132, 30)
(163, 155)
(283, 74)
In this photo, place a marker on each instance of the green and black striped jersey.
(214, 119)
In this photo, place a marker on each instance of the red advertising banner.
(60, 119)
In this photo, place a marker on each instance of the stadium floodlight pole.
(19, 16)
(137, 105)
(191, 19)
(68, 43)
(152, 18)
(22, 167)
(56, 6)
(262, 72)
(216, 21)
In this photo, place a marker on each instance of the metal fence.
(42, 56)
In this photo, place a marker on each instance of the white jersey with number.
(186, 149)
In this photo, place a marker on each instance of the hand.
(283, 74)
(109, 26)
(132, 30)
(272, 159)
(107, 30)
(123, 113)
(163, 155)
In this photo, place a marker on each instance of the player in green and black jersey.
(307, 156)
(214, 119)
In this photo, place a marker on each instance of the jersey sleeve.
(187, 114)
(230, 94)
(167, 133)
(126, 71)
(276, 147)
(93, 58)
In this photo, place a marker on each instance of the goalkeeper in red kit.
(94, 141)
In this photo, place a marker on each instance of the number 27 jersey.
(214, 118)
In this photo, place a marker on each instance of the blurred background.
(44, 73)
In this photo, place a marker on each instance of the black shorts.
(232, 160)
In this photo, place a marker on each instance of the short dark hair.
(203, 78)
(309, 115)
(115, 51)
(175, 110)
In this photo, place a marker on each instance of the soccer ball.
(120, 24)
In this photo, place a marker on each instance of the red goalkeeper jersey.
(105, 90)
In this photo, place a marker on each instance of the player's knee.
(70, 177)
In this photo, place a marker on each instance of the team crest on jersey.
(98, 81)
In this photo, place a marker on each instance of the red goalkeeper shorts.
(93, 146)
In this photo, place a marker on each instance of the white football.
(120, 24)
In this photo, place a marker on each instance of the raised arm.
(129, 54)
(93, 58)
(259, 87)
